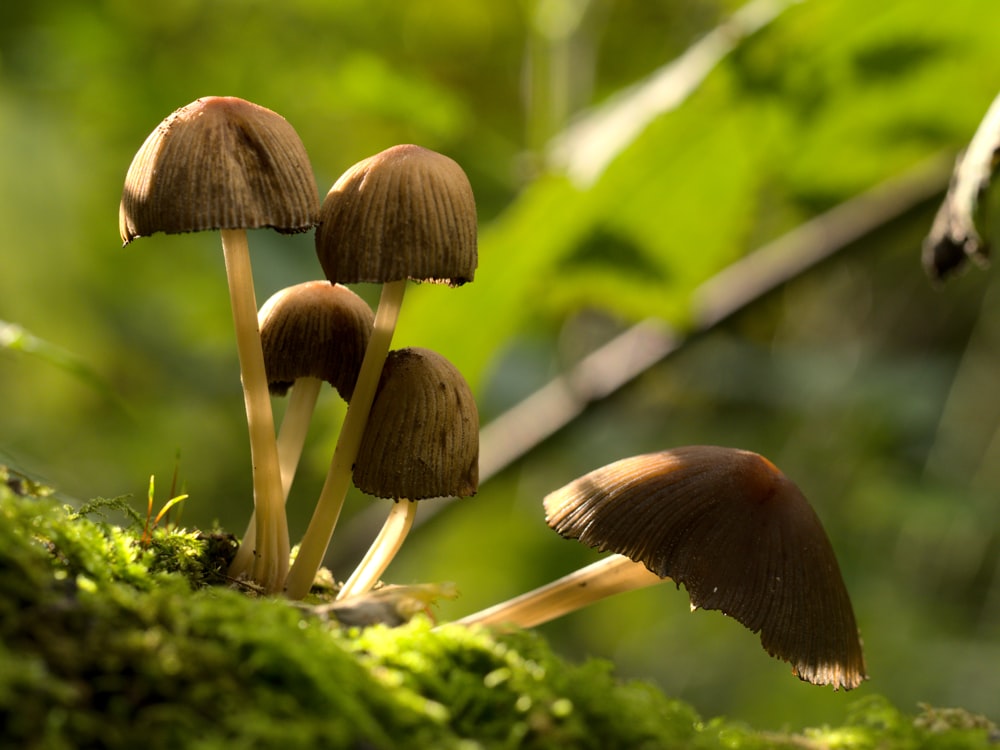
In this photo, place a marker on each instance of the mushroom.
(421, 441)
(310, 332)
(226, 163)
(728, 525)
(405, 213)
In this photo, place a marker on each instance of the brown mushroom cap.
(219, 163)
(405, 213)
(315, 329)
(738, 534)
(422, 436)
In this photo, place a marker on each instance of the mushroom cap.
(422, 435)
(405, 213)
(219, 163)
(738, 534)
(314, 329)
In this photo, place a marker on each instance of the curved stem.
(270, 557)
(291, 439)
(338, 478)
(612, 575)
(383, 549)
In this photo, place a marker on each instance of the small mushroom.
(314, 329)
(421, 441)
(728, 525)
(405, 213)
(226, 163)
(310, 332)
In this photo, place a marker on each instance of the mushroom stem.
(270, 555)
(612, 575)
(383, 549)
(294, 426)
(338, 478)
(291, 439)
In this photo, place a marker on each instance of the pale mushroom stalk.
(317, 537)
(383, 549)
(294, 427)
(612, 575)
(291, 440)
(270, 554)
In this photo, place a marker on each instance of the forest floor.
(116, 634)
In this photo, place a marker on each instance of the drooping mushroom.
(310, 333)
(421, 441)
(728, 525)
(405, 213)
(226, 163)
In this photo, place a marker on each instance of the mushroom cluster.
(407, 213)
(724, 523)
(404, 214)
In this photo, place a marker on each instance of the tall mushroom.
(421, 441)
(405, 213)
(728, 525)
(226, 163)
(310, 332)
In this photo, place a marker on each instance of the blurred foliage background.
(622, 152)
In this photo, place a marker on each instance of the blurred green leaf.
(14, 338)
(828, 100)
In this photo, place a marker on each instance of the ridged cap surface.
(405, 213)
(422, 435)
(315, 329)
(219, 163)
(738, 534)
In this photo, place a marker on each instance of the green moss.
(515, 692)
(107, 639)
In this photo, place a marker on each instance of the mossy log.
(117, 637)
